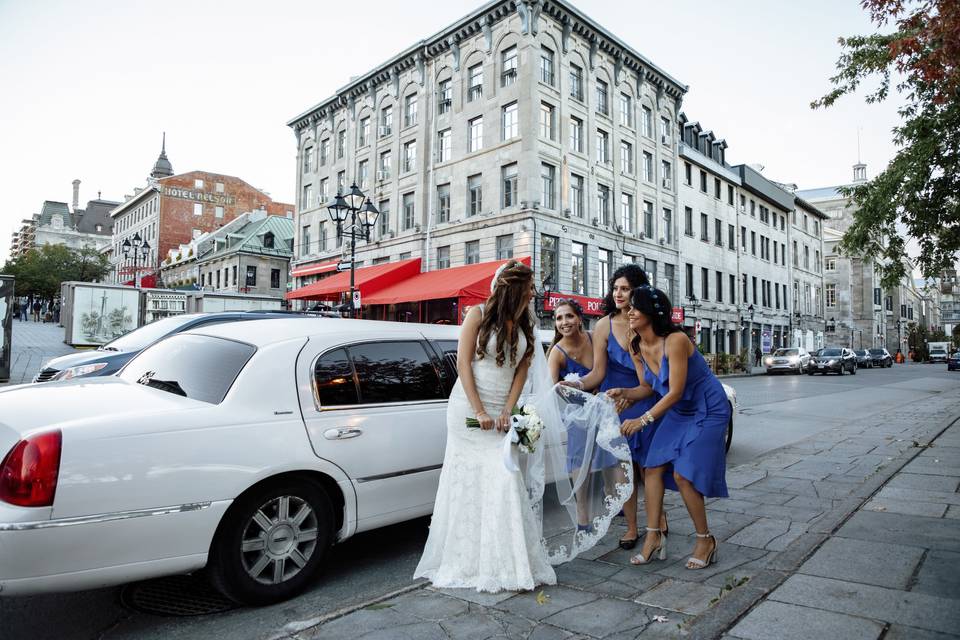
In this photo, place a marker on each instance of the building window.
(363, 137)
(646, 122)
(688, 285)
(650, 268)
(626, 110)
(386, 166)
(666, 172)
(664, 130)
(341, 144)
(508, 176)
(648, 166)
(576, 135)
(410, 110)
(716, 188)
(688, 174)
(363, 173)
(603, 204)
(409, 211)
(549, 263)
(806, 257)
(548, 178)
(386, 121)
(704, 283)
(308, 194)
(704, 230)
(443, 257)
(198, 184)
(218, 187)
(504, 247)
(753, 243)
(475, 83)
(410, 156)
(626, 157)
(444, 145)
(604, 259)
(719, 292)
(305, 247)
(830, 297)
(274, 278)
(546, 121)
(688, 221)
(576, 82)
(578, 263)
(546, 67)
(718, 232)
(511, 121)
(474, 195)
(443, 203)
(218, 212)
(307, 159)
(831, 265)
(667, 226)
(576, 195)
(322, 242)
(508, 64)
(703, 181)
(444, 96)
(648, 219)
(603, 103)
(384, 219)
(251, 279)
(730, 194)
(324, 151)
(475, 134)
(472, 252)
(603, 146)
(626, 212)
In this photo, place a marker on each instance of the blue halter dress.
(691, 435)
(622, 373)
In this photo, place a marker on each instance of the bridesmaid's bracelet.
(646, 419)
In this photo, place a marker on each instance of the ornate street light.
(138, 248)
(362, 217)
(542, 298)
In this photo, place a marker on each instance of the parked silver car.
(788, 360)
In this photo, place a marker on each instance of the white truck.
(938, 351)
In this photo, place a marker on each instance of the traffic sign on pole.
(343, 265)
(356, 299)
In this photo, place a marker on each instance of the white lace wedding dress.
(484, 534)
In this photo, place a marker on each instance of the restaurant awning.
(314, 269)
(470, 283)
(367, 280)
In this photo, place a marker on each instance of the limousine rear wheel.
(271, 542)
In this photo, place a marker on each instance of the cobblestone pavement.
(32, 344)
(851, 533)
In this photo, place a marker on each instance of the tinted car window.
(786, 352)
(148, 333)
(830, 352)
(197, 367)
(448, 350)
(334, 379)
(395, 372)
(877, 352)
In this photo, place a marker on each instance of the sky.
(89, 86)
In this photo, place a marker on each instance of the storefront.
(367, 280)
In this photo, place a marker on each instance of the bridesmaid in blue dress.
(686, 452)
(614, 370)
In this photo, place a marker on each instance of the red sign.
(591, 306)
(676, 315)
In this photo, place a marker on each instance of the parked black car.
(881, 357)
(834, 360)
(953, 362)
(864, 360)
(107, 359)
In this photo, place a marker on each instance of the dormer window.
(268, 240)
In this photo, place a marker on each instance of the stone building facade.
(521, 130)
(806, 248)
(63, 224)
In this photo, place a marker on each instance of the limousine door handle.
(342, 434)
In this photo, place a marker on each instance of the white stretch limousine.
(249, 448)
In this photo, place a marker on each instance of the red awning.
(314, 269)
(470, 283)
(367, 280)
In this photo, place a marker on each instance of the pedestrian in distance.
(36, 310)
(757, 356)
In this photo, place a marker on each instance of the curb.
(734, 606)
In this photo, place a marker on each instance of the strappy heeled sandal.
(695, 564)
(659, 553)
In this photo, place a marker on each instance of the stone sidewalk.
(32, 344)
(816, 540)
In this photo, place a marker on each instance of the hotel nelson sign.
(199, 196)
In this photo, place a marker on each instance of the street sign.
(696, 326)
(356, 299)
(676, 315)
(343, 265)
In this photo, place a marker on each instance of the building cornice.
(570, 20)
(143, 195)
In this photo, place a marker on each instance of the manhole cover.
(175, 596)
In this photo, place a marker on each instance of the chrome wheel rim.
(279, 539)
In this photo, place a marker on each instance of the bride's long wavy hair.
(507, 303)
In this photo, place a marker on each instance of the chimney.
(76, 194)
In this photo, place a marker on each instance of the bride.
(484, 534)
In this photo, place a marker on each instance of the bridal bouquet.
(524, 423)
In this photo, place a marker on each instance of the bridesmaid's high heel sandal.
(697, 563)
(659, 553)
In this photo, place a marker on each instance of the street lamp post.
(751, 311)
(694, 304)
(542, 299)
(138, 248)
(355, 205)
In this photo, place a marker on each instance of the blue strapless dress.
(622, 373)
(691, 436)
(576, 440)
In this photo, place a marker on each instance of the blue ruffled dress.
(622, 373)
(691, 436)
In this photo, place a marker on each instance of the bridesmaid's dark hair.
(654, 304)
(504, 305)
(577, 309)
(634, 274)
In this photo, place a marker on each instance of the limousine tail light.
(28, 475)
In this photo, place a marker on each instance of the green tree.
(918, 189)
(40, 271)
